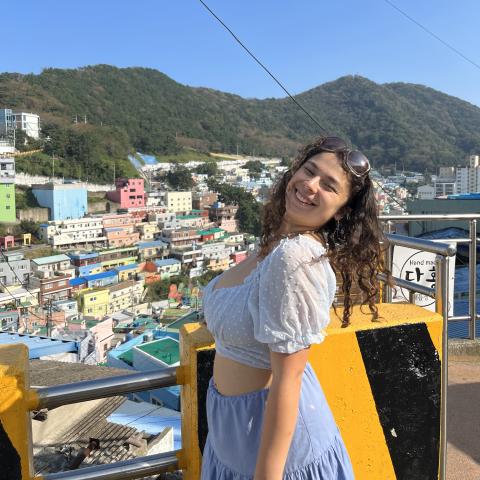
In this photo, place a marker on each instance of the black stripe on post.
(403, 368)
(10, 467)
(205, 359)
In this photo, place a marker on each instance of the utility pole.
(85, 119)
(49, 316)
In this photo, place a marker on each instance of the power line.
(262, 65)
(434, 35)
(279, 83)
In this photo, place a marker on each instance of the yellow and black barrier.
(15, 426)
(382, 381)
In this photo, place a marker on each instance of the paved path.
(463, 424)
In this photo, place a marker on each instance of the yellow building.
(179, 201)
(124, 295)
(147, 230)
(217, 264)
(93, 302)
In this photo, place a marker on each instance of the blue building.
(102, 279)
(64, 201)
(151, 351)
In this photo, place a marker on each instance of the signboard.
(419, 267)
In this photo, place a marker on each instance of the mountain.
(142, 109)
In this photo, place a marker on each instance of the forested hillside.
(139, 109)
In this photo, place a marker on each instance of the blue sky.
(304, 42)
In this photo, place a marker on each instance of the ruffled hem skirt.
(235, 422)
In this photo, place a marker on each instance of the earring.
(337, 229)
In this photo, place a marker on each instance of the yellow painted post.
(15, 426)
(194, 338)
(381, 380)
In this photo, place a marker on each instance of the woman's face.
(316, 193)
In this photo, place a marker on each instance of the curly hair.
(356, 243)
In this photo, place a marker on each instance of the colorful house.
(118, 237)
(153, 249)
(127, 272)
(124, 295)
(168, 267)
(129, 192)
(102, 279)
(64, 201)
(93, 303)
(49, 266)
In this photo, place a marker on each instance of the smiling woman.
(266, 312)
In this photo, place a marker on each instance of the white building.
(178, 201)
(468, 178)
(426, 192)
(29, 123)
(81, 231)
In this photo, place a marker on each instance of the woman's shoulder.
(292, 251)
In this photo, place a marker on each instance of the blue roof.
(166, 261)
(82, 256)
(464, 196)
(154, 243)
(126, 267)
(113, 229)
(74, 282)
(98, 276)
(38, 346)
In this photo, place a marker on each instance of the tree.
(208, 168)
(254, 167)
(179, 178)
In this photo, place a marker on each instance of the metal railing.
(471, 241)
(51, 397)
(440, 294)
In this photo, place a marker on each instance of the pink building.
(118, 237)
(102, 332)
(129, 192)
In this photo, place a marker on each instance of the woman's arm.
(280, 413)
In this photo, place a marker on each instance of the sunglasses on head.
(355, 160)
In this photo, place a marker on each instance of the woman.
(267, 416)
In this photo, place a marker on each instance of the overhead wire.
(237, 39)
(280, 84)
(432, 34)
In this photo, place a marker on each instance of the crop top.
(282, 305)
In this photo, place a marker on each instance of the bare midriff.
(234, 378)
(231, 377)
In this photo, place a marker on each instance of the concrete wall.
(29, 180)
(34, 214)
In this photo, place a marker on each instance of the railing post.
(389, 264)
(472, 266)
(441, 307)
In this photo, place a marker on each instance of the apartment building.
(29, 123)
(64, 201)
(124, 295)
(14, 269)
(224, 216)
(147, 230)
(56, 287)
(129, 192)
(179, 238)
(46, 267)
(7, 189)
(178, 201)
(86, 232)
(118, 237)
(94, 303)
(168, 267)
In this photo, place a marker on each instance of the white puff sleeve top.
(282, 306)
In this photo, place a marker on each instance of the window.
(7, 207)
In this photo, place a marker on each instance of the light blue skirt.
(235, 422)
